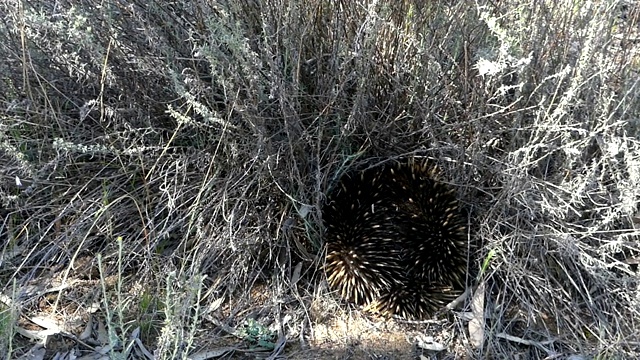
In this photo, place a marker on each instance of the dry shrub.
(205, 134)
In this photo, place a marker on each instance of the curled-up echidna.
(396, 241)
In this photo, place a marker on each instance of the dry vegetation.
(163, 166)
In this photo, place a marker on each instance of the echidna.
(396, 241)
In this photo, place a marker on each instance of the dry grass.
(163, 167)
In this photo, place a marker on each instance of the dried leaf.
(476, 324)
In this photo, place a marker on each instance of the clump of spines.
(396, 242)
